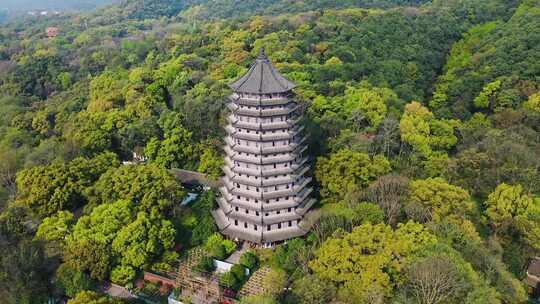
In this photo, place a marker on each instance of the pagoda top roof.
(262, 78)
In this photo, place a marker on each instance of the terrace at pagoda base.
(260, 237)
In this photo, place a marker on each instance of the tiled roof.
(262, 78)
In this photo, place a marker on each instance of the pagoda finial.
(262, 54)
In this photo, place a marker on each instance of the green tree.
(348, 171)
(91, 297)
(56, 227)
(218, 247)
(311, 289)
(52, 188)
(420, 129)
(367, 104)
(175, 149)
(249, 260)
(72, 281)
(147, 186)
(122, 274)
(258, 300)
(24, 274)
(143, 239)
(484, 99)
(435, 199)
(106, 91)
(505, 204)
(87, 255)
(533, 103)
(367, 262)
(211, 163)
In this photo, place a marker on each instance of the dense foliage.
(424, 123)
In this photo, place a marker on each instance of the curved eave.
(262, 78)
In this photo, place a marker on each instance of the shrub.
(73, 281)
(249, 260)
(205, 265)
(122, 275)
(228, 280)
(239, 273)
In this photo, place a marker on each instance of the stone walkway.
(235, 257)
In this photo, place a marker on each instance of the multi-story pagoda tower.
(265, 192)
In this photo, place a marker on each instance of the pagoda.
(265, 192)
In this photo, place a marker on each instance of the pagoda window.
(255, 227)
(266, 214)
(236, 208)
(247, 211)
(290, 209)
(278, 212)
(256, 201)
(290, 223)
(257, 213)
(268, 228)
(236, 222)
(257, 189)
(245, 225)
(279, 226)
(238, 196)
(238, 186)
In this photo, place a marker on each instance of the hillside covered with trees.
(424, 123)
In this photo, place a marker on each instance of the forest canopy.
(424, 134)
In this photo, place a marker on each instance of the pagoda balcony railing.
(260, 206)
(294, 202)
(256, 100)
(250, 217)
(283, 217)
(267, 172)
(224, 205)
(257, 180)
(288, 135)
(264, 220)
(285, 109)
(289, 123)
(260, 160)
(266, 194)
(296, 147)
(306, 205)
(292, 147)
